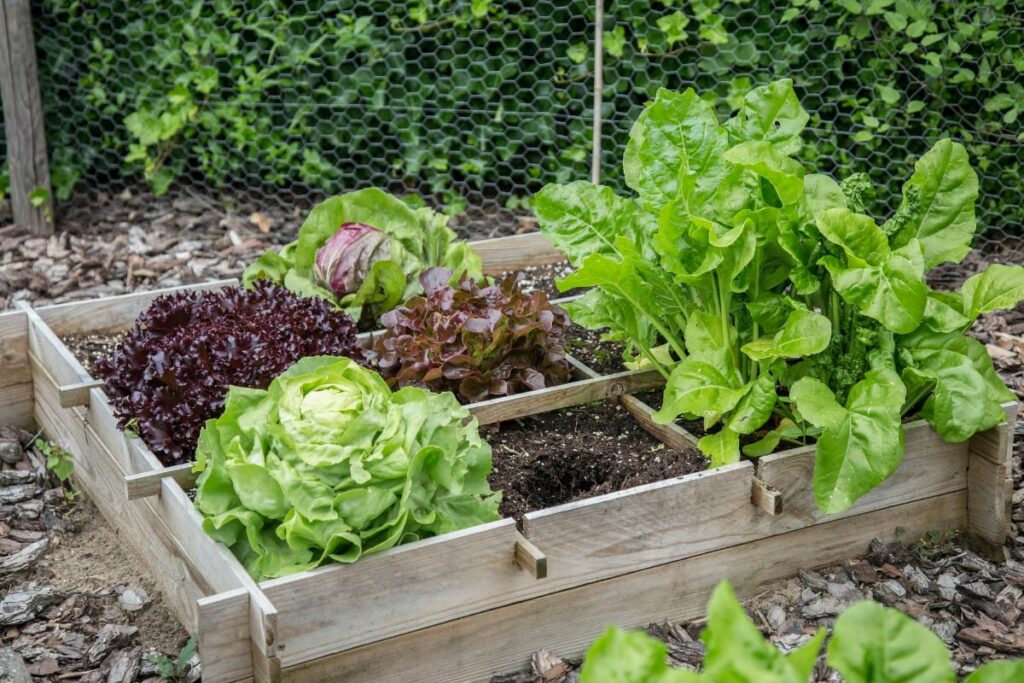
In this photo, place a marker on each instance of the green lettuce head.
(328, 464)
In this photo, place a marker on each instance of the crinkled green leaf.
(754, 409)
(943, 312)
(822, 193)
(699, 388)
(997, 287)
(862, 442)
(675, 151)
(805, 333)
(328, 464)
(893, 293)
(871, 644)
(858, 235)
(583, 219)
(786, 175)
(770, 113)
(947, 189)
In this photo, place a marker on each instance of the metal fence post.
(31, 196)
(595, 162)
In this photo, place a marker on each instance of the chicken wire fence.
(475, 104)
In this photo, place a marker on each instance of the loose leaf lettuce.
(419, 239)
(327, 464)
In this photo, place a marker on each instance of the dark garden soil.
(543, 278)
(577, 453)
(75, 603)
(586, 346)
(89, 348)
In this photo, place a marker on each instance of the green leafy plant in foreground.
(327, 464)
(775, 309)
(59, 460)
(175, 669)
(869, 644)
(416, 239)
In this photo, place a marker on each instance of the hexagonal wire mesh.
(477, 103)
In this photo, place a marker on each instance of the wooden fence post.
(595, 159)
(31, 196)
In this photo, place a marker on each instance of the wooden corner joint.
(530, 558)
(765, 497)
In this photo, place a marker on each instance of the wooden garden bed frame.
(467, 605)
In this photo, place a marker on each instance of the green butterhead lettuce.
(328, 464)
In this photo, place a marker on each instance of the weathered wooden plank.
(148, 483)
(616, 533)
(503, 254)
(477, 647)
(671, 434)
(564, 395)
(990, 485)
(766, 498)
(996, 444)
(341, 606)
(16, 405)
(224, 635)
(72, 395)
(14, 349)
(930, 467)
(111, 313)
(23, 119)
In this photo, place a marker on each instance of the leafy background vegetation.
(482, 100)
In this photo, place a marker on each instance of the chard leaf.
(601, 309)
(770, 113)
(770, 310)
(755, 407)
(967, 393)
(770, 441)
(1006, 671)
(675, 151)
(997, 287)
(698, 388)
(858, 235)
(630, 657)
(862, 442)
(583, 219)
(722, 447)
(786, 175)
(804, 334)
(871, 643)
(943, 312)
(821, 193)
(737, 652)
(706, 340)
(944, 222)
(893, 293)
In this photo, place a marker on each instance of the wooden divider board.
(473, 649)
(15, 373)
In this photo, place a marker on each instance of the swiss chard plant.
(327, 464)
(869, 644)
(478, 342)
(364, 251)
(774, 308)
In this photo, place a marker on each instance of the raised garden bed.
(467, 605)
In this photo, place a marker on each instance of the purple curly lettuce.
(477, 342)
(172, 372)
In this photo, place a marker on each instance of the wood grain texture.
(475, 648)
(565, 395)
(146, 484)
(72, 395)
(990, 485)
(342, 606)
(23, 119)
(765, 497)
(620, 532)
(671, 434)
(930, 467)
(16, 405)
(14, 368)
(503, 254)
(530, 557)
(224, 636)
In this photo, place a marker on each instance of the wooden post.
(31, 196)
(595, 159)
